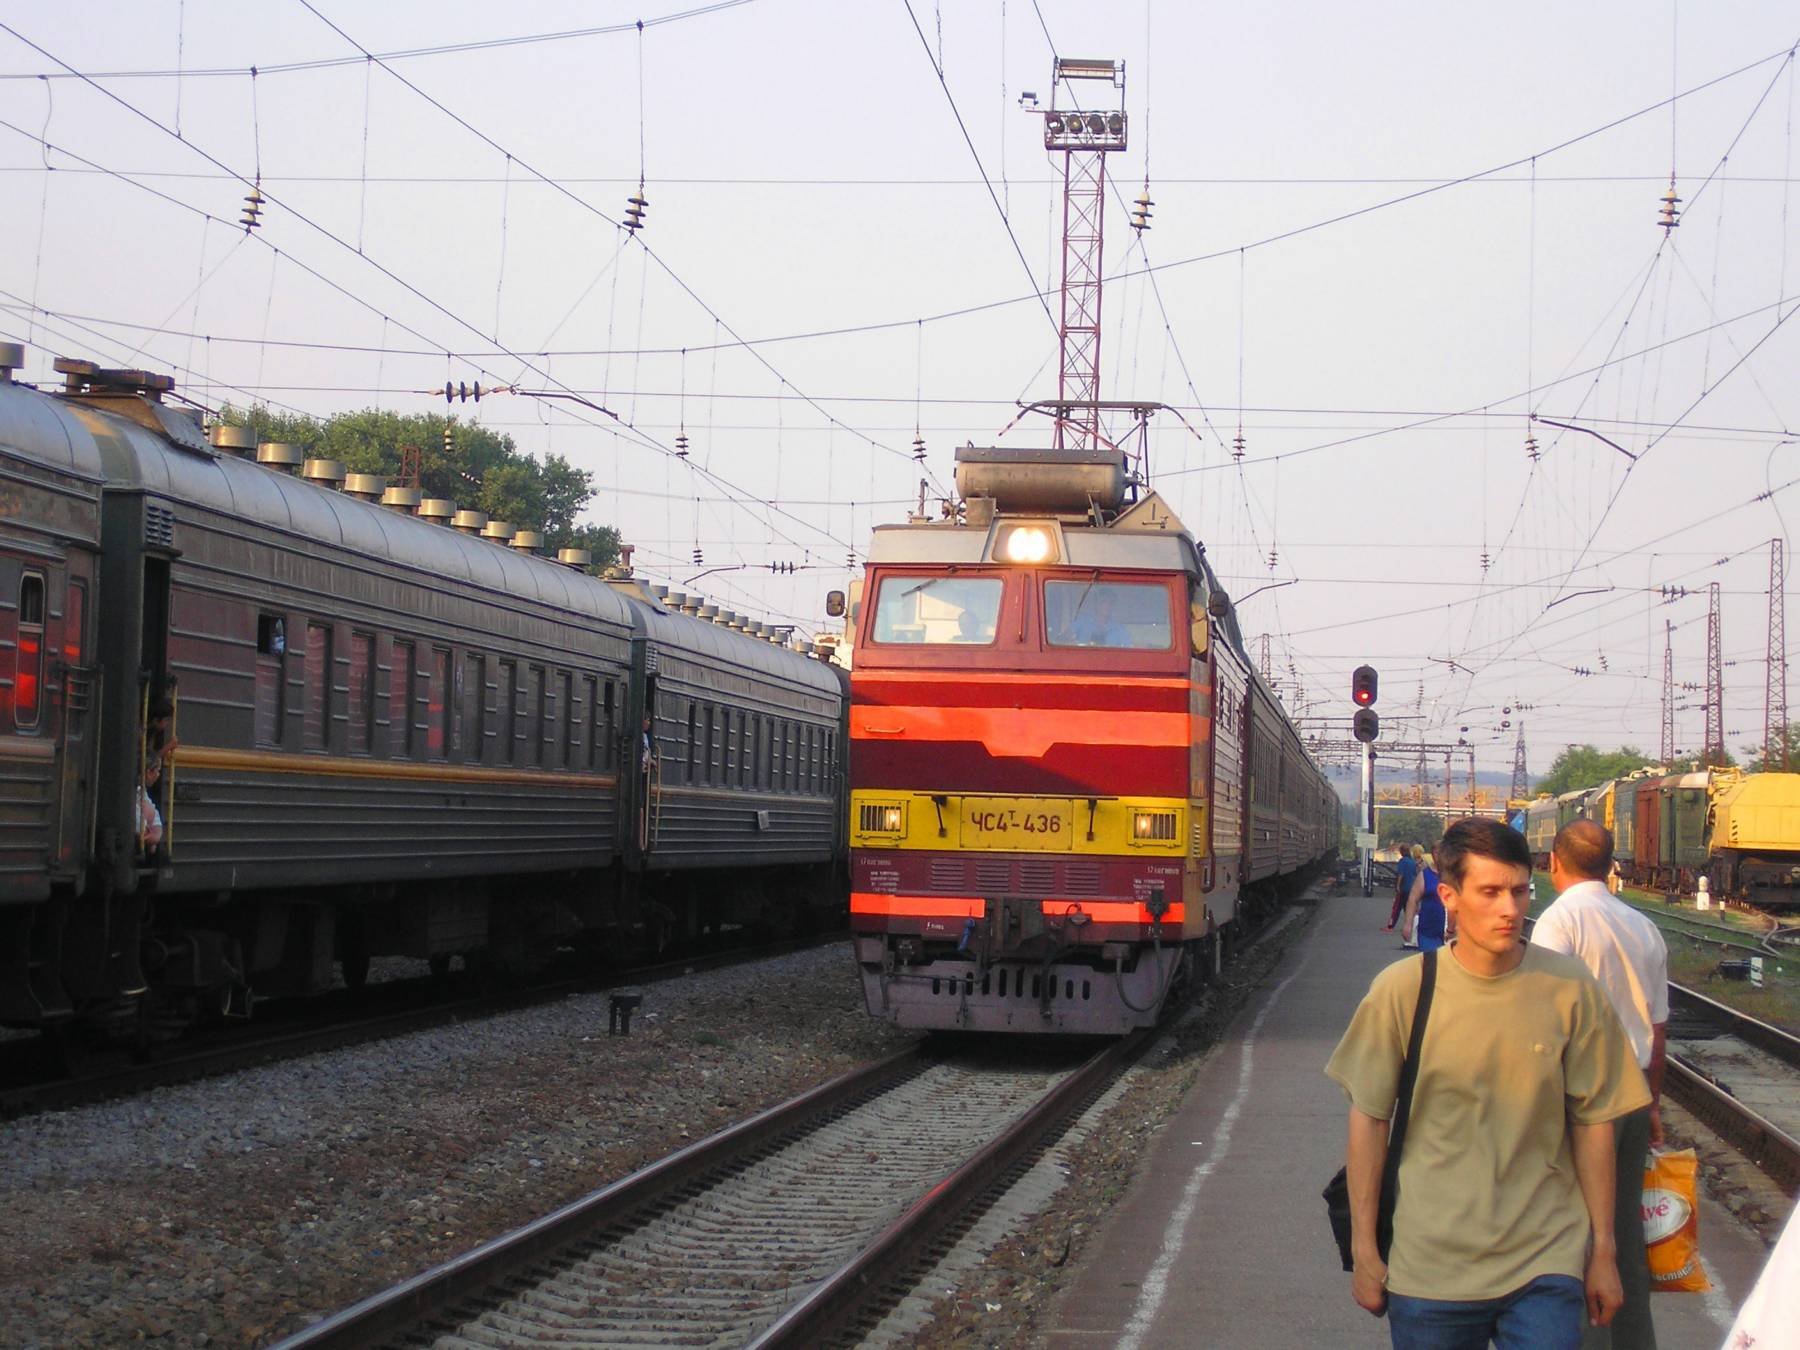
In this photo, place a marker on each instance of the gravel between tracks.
(239, 1209)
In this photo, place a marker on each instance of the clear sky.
(1383, 236)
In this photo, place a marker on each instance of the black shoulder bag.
(1337, 1191)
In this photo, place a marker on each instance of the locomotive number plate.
(1027, 823)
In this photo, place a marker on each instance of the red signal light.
(1363, 686)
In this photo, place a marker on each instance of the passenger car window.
(1123, 614)
(28, 663)
(938, 610)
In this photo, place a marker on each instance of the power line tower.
(1775, 679)
(1263, 665)
(1668, 702)
(1419, 707)
(1521, 780)
(1084, 135)
(1714, 753)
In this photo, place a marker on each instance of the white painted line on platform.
(1715, 1300)
(1156, 1281)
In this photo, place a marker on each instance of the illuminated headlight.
(1028, 544)
(881, 818)
(1152, 827)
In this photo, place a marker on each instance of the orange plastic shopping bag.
(1672, 1222)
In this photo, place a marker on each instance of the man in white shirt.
(1627, 955)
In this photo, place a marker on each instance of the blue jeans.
(1550, 1313)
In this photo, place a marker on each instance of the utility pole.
(1775, 677)
(1263, 667)
(1521, 782)
(1668, 706)
(1714, 753)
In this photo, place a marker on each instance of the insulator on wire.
(681, 445)
(253, 205)
(1532, 452)
(1670, 214)
(1237, 446)
(919, 448)
(635, 208)
(1140, 215)
(1486, 560)
(449, 440)
(781, 568)
(462, 392)
(698, 558)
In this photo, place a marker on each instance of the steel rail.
(1784, 1045)
(393, 1313)
(834, 1306)
(1772, 1149)
(256, 1047)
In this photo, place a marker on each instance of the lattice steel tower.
(1775, 679)
(1084, 135)
(1714, 753)
(1668, 702)
(1521, 782)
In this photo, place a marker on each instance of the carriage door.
(78, 676)
(647, 757)
(153, 687)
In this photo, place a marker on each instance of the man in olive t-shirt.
(1503, 1226)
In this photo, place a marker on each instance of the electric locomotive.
(1068, 786)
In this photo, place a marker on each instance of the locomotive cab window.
(1119, 614)
(938, 610)
(28, 663)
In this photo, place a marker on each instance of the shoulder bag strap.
(1409, 1074)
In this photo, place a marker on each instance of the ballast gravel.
(237, 1210)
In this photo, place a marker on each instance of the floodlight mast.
(1084, 135)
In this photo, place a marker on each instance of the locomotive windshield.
(938, 609)
(1107, 614)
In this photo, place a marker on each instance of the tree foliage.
(1585, 766)
(481, 471)
(1409, 827)
(1757, 761)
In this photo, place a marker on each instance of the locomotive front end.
(1030, 728)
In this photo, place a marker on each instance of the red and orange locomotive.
(1068, 784)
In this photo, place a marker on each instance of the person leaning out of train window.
(648, 747)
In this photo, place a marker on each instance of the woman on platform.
(1427, 925)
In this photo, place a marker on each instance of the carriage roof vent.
(365, 487)
(402, 499)
(12, 357)
(438, 510)
(675, 600)
(693, 605)
(470, 522)
(497, 530)
(579, 558)
(707, 613)
(240, 441)
(528, 541)
(325, 472)
(280, 456)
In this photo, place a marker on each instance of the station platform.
(1222, 1240)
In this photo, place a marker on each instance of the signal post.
(1365, 725)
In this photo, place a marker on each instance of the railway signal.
(1365, 725)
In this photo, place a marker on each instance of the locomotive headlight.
(878, 818)
(1152, 827)
(1028, 544)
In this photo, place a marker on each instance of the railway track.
(780, 1231)
(256, 1044)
